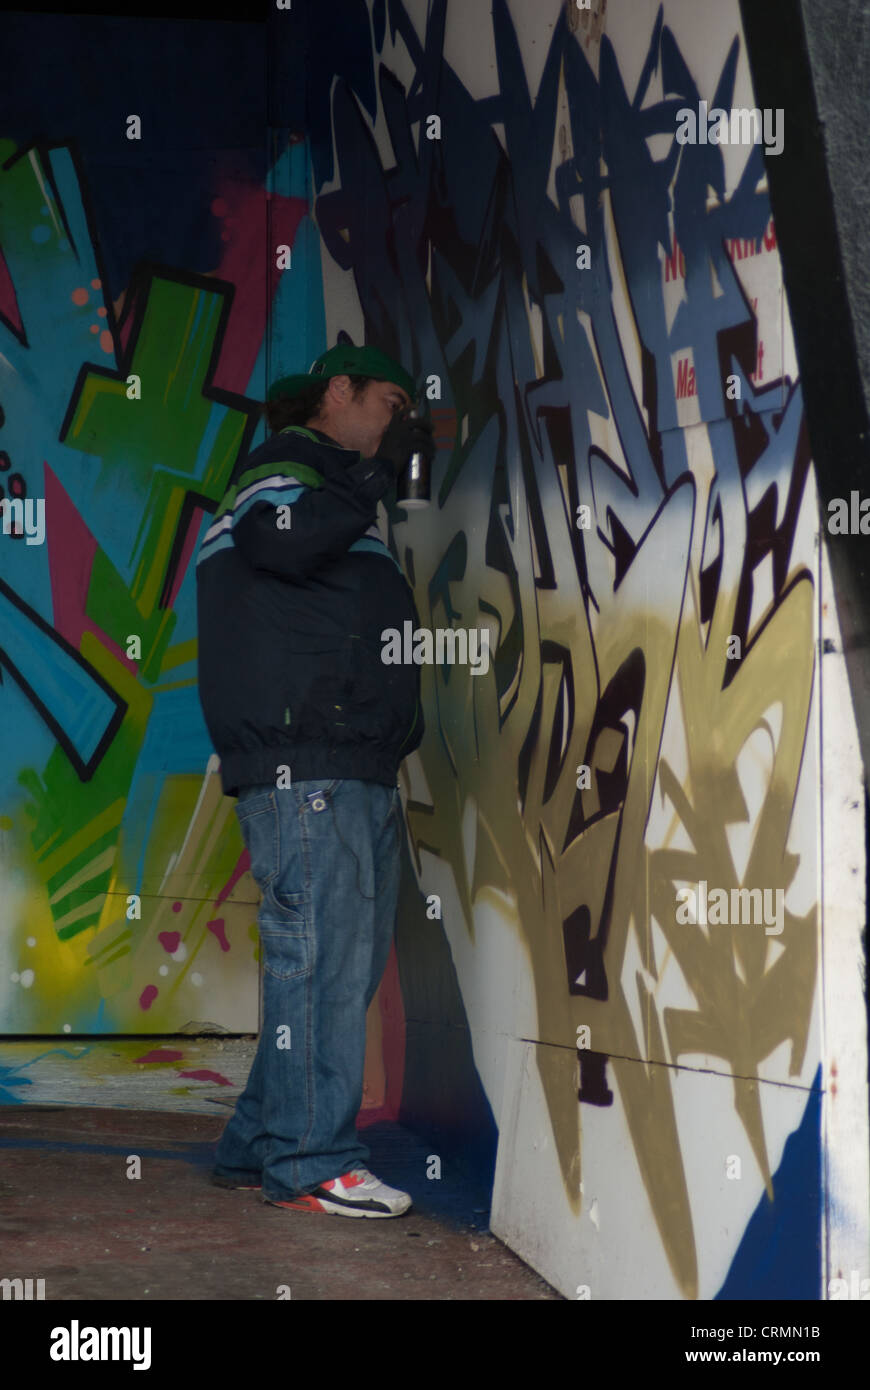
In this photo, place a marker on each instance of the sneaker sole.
(325, 1207)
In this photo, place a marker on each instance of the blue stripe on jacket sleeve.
(279, 496)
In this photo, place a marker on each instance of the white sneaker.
(357, 1193)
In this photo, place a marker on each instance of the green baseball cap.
(345, 358)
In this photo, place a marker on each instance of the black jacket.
(290, 610)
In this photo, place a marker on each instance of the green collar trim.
(300, 429)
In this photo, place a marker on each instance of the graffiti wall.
(615, 828)
(133, 325)
(625, 499)
(140, 309)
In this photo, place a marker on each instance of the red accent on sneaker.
(349, 1180)
(303, 1203)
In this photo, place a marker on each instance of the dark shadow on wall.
(813, 62)
(442, 1098)
(72, 80)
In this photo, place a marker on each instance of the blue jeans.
(325, 856)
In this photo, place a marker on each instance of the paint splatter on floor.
(206, 1076)
(120, 1073)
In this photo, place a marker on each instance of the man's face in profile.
(365, 417)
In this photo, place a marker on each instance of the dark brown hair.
(298, 410)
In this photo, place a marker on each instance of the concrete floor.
(72, 1216)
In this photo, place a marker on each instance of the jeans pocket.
(286, 940)
(252, 801)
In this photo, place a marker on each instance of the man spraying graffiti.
(294, 587)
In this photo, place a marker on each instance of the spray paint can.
(413, 484)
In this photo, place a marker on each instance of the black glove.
(404, 437)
